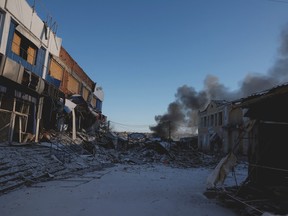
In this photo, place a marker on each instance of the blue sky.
(141, 51)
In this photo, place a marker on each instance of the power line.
(279, 1)
(130, 125)
(181, 127)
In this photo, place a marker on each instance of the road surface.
(121, 190)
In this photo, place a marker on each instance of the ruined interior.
(17, 112)
(268, 161)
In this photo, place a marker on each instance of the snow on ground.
(241, 173)
(121, 190)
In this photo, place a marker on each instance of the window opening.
(24, 48)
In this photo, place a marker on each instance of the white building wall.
(5, 33)
(31, 25)
(99, 93)
(2, 3)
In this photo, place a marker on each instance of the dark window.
(1, 24)
(212, 120)
(24, 48)
(220, 116)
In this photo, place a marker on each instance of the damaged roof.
(263, 95)
(217, 103)
(268, 105)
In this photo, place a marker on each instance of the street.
(120, 190)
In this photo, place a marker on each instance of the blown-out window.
(73, 85)
(99, 105)
(220, 118)
(93, 102)
(1, 24)
(24, 48)
(85, 93)
(212, 120)
(56, 70)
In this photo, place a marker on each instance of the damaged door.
(5, 118)
(14, 117)
(21, 120)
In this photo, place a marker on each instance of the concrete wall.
(99, 93)
(71, 68)
(212, 125)
(31, 26)
(21, 11)
(230, 129)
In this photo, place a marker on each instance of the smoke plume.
(183, 111)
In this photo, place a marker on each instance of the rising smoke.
(183, 111)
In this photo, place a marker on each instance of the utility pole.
(108, 126)
(169, 129)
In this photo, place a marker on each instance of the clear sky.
(141, 51)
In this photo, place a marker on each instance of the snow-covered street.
(119, 190)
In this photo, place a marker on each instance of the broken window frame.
(212, 120)
(85, 93)
(2, 18)
(19, 118)
(18, 114)
(220, 118)
(24, 48)
(73, 85)
(93, 101)
(7, 123)
(56, 70)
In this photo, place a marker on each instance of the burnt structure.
(267, 152)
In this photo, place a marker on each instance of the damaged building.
(34, 87)
(82, 94)
(220, 128)
(265, 187)
(267, 152)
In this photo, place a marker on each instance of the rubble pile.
(57, 155)
(123, 149)
(110, 148)
(252, 200)
(23, 165)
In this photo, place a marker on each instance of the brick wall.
(72, 66)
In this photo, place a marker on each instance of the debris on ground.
(247, 198)
(251, 200)
(57, 154)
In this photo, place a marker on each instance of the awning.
(28, 35)
(69, 106)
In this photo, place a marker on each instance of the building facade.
(78, 87)
(37, 74)
(220, 127)
(267, 137)
(25, 45)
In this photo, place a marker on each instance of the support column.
(12, 121)
(73, 124)
(39, 116)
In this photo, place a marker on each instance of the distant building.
(220, 126)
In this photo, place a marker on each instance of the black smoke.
(183, 111)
